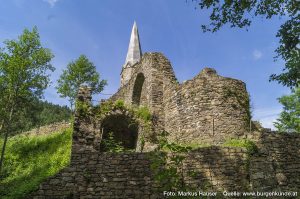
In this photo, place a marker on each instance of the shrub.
(143, 113)
(111, 144)
(119, 104)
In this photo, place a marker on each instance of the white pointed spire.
(134, 53)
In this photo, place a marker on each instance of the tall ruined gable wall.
(206, 109)
(157, 71)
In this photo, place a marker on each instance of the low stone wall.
(128, 175)
(93, 175)
(277, 165)
(59, 126)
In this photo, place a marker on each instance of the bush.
(143, 113)
(119, 104)
(111, 144)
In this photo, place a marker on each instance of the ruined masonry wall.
(278, 163)
(207, 109)
(276, 167)
(128, 175)
(92, 174)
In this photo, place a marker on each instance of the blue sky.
(101, 30)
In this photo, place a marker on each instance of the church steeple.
(134, 55)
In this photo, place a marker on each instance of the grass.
(242, 143)
(195, 145)
(29, 160)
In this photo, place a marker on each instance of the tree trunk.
(6, 138)
(3, 150)
(1, 125)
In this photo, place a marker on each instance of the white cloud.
(268, 122)
(267, 116)
(51, 2)
(257, 54)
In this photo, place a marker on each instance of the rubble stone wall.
(207, 109)
(278, 162)
(128, 175)
(218, 169)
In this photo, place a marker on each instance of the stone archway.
(124, 128)
(137, 89)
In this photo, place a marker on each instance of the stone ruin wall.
(277, 165)
(50, 128)
(207, 109)
(94, 174)
(86, 128)
(157, 71)
(91, 174)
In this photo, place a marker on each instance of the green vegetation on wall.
(243, 101)
(111, 145)
(167, 165)
(242, 143)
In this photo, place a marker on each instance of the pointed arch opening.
(137, 89)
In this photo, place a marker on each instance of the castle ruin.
(207, 109)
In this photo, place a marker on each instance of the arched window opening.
(123, 128)
(137, 89)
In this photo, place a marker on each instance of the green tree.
(239, 13)
(289, 119)
(38, 113)
(24, 64)
(82, 71)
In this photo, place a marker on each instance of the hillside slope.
(30, 159)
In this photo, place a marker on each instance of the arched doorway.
(123, 128)
(137, 89)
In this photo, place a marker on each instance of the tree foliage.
(24, 64)
(239, 13)
(38, 113)
(78, 72)
(289, 120)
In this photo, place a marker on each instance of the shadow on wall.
(218, 169)
(278, 162)
(111, 175)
